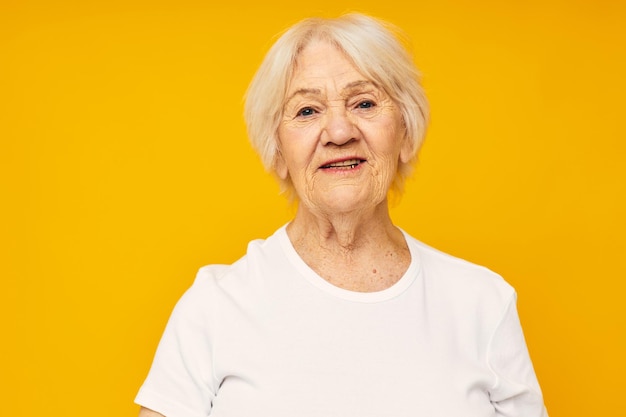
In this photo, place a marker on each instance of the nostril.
(338, 143)
(339, 130)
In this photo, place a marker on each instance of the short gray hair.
(378, 51)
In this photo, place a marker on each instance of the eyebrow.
(314, 91)
(360, 83)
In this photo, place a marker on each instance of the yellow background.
(124, 166)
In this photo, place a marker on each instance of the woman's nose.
(338, 128)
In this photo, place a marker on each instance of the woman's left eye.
(366, 104)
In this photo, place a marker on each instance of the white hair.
(377, 50)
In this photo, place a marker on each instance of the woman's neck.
(361, 251)
(348, 232)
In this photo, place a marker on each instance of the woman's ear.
(406, 150)
(280, 166)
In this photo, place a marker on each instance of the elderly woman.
(341, 313)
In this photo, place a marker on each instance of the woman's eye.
(307, 111)
(366, 104)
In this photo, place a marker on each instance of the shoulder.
(245, 276)
(259, 252)
(459, 279)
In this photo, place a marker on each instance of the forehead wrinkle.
(359, 83)
(304, 92)
(348, 88)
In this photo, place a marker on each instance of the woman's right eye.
(306, 111)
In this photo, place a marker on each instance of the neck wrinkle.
(343, 233)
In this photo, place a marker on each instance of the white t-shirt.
(268, 337)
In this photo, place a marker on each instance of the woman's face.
(341, 137)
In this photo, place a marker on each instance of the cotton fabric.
(268, 337)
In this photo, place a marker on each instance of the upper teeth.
(349, 162)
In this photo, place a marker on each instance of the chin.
(346, 200)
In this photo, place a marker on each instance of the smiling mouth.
(347, 164)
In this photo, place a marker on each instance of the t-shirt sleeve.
(181, 382)
(516, 392)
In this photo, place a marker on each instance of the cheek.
(388, 156)
(400, 146)
(290, 159)
(384, 167)
(389, 143)
(297, 144)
